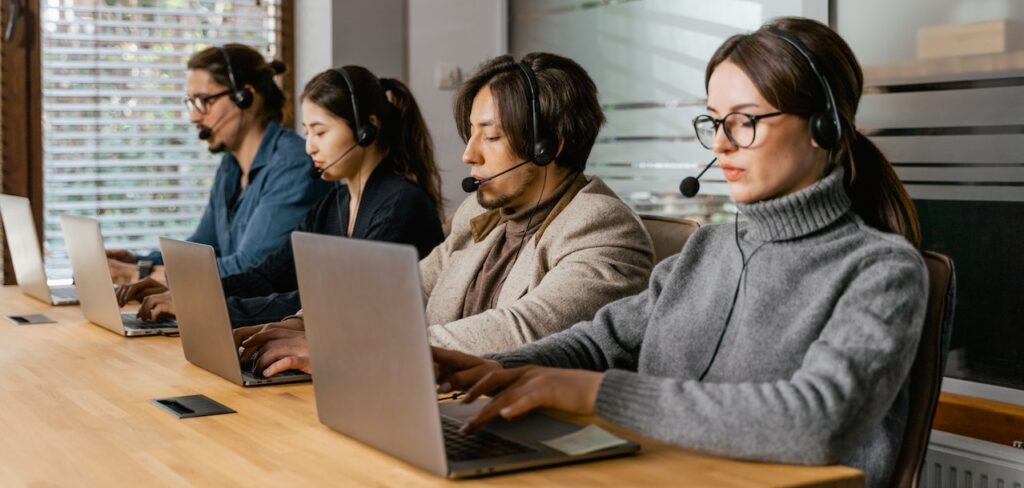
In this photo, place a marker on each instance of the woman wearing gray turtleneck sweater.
(786, 337)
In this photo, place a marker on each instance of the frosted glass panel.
(952, 122)
(647, 58)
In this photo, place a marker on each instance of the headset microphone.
(207, 132)
(691, 185)
(470, 184)
(316, 173)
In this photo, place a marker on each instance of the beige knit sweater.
(592, 249)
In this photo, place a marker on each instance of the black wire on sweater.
(735, 294)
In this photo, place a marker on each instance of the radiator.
(955, 461)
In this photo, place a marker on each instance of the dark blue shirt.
(246, 225)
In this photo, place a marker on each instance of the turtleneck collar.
(798, 214)
(534, 214)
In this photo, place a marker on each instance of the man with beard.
(262, 188)
(540, 246)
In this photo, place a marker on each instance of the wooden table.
(75, 410)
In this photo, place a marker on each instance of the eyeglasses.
(740, 128)
(202, 103)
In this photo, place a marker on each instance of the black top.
(392, 210)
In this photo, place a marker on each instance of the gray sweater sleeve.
(851, 373)
(611, 340)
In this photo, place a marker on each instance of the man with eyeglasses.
(262, 187)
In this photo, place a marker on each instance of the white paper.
(586, 440)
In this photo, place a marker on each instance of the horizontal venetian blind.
(117, 144)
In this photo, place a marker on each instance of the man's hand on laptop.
(122, 255)
(458, 371)
(156, 307)
(279, 349)
(243, 333)
(138, 290)
(521, 389)
(122, 273)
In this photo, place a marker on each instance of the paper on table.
(586, 440)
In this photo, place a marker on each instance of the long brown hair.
(403, 134)
(786, 80)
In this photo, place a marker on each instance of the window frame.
(21, 119)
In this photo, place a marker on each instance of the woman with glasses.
(786, 336)
(262, 188)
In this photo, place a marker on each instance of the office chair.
(926, 373)
(668, 234)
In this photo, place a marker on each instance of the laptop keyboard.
(65, 293)
(249, 367)
(478, 445)
(283, 374)
(131, 321)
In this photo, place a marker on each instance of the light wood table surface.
(75, 411)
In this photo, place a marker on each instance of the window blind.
(117, 144)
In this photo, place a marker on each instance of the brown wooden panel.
(988, 420)
(287, 54)
(21, 116)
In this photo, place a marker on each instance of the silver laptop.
(373, 373)
(202, 315)
(20, 229)
(95, 288)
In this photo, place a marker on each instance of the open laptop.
(95, 287)
(202, 315)
(374, 379)
(20, 229)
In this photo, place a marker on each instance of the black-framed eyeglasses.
(740, 128)
(203, 103)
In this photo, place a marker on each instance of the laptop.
(374, 380)
(202, 315)
(95, 287)
(20, 229)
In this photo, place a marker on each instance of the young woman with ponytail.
(391, 191)
(785, 337)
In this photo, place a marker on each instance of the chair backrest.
(668, 234)
(929, 364)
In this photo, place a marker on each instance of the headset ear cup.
(242, 98)
(823, 130)
(367, 134)
(544, 152)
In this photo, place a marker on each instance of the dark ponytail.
(409, 143)
(878, 195)
(784, 78)
(402, 136)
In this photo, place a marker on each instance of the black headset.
(826, 128)
(242, 98)
(544, 148)
(365, 134)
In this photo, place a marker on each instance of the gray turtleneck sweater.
(813, 363)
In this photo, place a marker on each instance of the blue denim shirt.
(245, 225)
